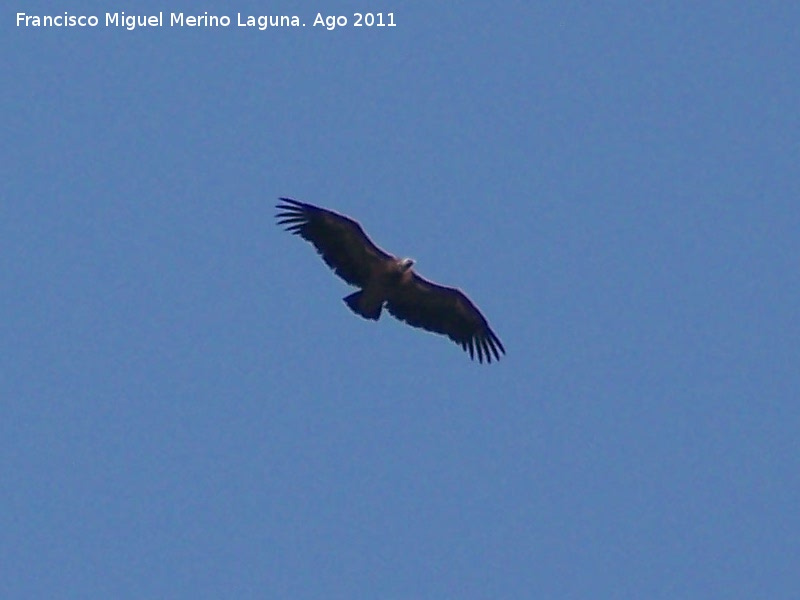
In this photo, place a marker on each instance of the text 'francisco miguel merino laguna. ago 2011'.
(262, 22)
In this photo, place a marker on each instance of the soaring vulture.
(388, 280)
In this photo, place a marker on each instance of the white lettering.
(330, 22)
(204, 20)
(265, 21)
(65, 20)
(131, 22)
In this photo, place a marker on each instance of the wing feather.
(448, 311)
(340, 241)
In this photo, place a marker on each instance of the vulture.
(388, 281)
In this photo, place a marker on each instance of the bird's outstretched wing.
(448, 311)
(340, 241)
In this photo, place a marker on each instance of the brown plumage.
(386, 280)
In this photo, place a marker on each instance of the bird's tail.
(357, 304)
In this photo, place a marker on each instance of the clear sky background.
(190, 411)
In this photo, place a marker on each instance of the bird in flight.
(389, 281)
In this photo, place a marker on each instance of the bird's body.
(389, 281)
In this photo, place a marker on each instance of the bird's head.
(406, 264)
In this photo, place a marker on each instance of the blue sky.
(189, 410)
